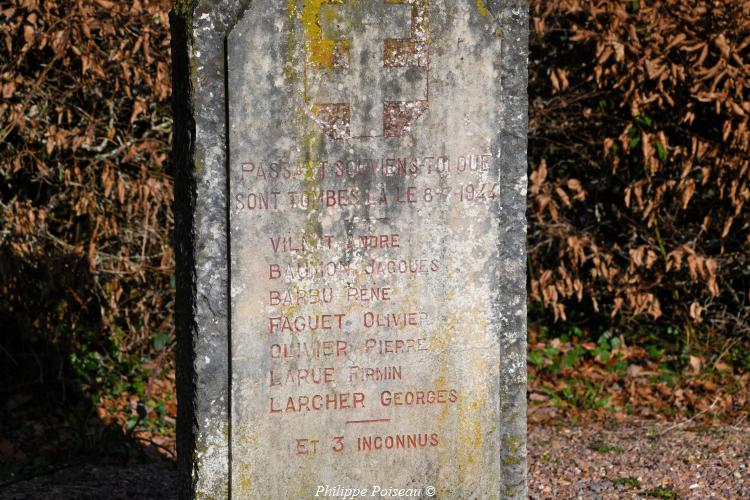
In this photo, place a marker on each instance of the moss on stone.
(183, 8)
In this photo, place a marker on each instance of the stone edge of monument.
(512, 22)
(199, 29)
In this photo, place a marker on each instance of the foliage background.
(639, 271)
(86, 260)
(640, 165)
(639, 227)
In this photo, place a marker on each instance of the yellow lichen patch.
(470, 419)
(320, 53)
(308, 469)
(311, 18)
(291, 11)
(247, 439)
(317, 54)
(327, 54)
(310, 145)
(290, 71)
(438, 343)
(312, 142)
(471, 431)
(441, 339)
(512, 443)
(246, 480)
(482, 8)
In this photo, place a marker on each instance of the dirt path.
(98, 482)
(634, 460)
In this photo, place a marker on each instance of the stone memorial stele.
(350, 231)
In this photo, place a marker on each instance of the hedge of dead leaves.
(640, 161)
(85, 201)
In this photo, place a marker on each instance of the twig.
(680, 424)
(9, 355)
(151, 442)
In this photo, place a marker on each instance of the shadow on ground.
(49, 424)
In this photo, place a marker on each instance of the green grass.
(628, 482)
(601, 447)
(661, 492)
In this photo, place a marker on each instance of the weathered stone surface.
(352, 180)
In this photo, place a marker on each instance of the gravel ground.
(639, 460)
(633, 460)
